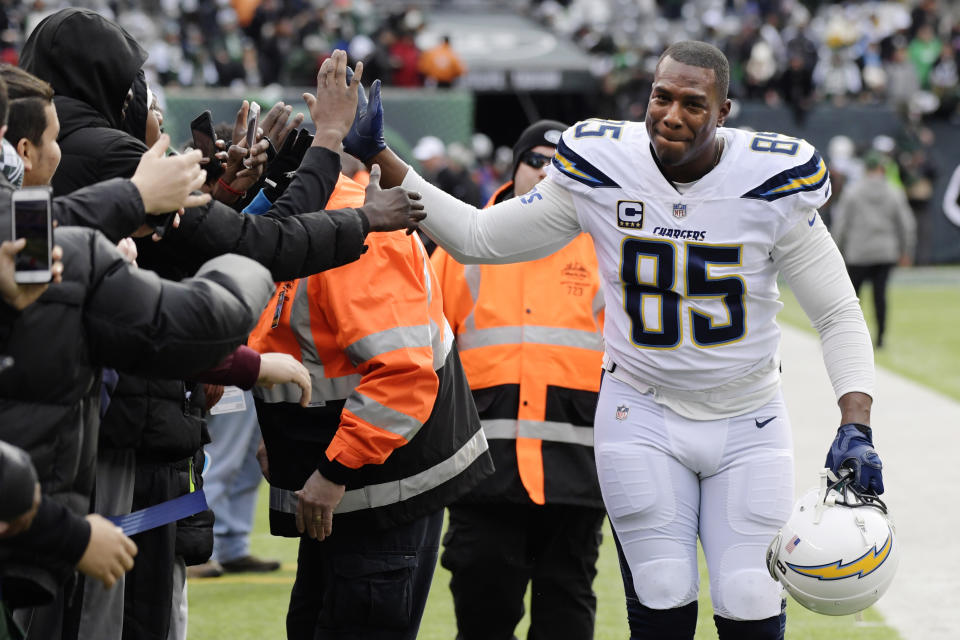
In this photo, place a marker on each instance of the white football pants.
(667, 479)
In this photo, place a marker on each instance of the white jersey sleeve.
(799, 188)
(527, 227)
(811, 264)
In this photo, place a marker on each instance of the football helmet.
(838, 552)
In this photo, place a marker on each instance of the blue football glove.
(365, 138)
(853, 449)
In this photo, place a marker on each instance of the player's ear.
(724, 112)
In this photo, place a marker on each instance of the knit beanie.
(543, 132)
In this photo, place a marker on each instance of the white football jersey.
(690, 284)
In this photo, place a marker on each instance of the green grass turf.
(922, 340)
(253, 606)
(922, 343)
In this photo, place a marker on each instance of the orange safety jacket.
(385, 376)
(529, 335)
(441, 63)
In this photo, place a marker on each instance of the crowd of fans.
(107, 374)
(258, 43)
(781, 51)
(904, 54)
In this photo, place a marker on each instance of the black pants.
(494, 550)
(878, 275)
(363, 584)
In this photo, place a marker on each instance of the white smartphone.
(33, 220)
(253, 121)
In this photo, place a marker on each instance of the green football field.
(921, 343)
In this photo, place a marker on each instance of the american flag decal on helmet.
(792, 544)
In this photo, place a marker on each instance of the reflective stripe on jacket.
(373, 336)
(529, 335)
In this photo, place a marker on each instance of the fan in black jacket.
(91, 64)
(104, 313)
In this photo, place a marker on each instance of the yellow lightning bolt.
(861, 567)
(569, 167)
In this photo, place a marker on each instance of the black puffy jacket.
(91, 64)
(105, 313)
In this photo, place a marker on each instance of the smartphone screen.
(31, 220)
(253, 121)
(204, 139)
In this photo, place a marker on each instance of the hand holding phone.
(33, 221)
(205, 139)
(253, 121)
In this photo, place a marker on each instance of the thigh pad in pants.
(658, 538)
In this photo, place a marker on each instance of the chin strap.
(840, 490)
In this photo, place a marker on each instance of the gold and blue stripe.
(574, 166)
(808, 176)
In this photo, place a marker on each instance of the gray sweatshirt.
(873, 223)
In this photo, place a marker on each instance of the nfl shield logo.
(679, 210)
(622, 412)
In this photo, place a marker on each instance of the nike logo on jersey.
(813, 219)
(762, 423)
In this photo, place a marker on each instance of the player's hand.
(853, 449)
(391, 209)
(109, 553)
(334, 106)
(18, 295)
(282, 368)
(167, 183)
(365, 138)
(317, 500)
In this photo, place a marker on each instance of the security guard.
(529, 337)
(390, 438)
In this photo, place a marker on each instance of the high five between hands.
(174, 183)
(333, 111)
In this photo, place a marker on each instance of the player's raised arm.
(519, 229)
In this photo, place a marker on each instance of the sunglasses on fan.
(534, 159)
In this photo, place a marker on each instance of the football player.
(692, 224)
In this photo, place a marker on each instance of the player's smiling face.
(682, 119)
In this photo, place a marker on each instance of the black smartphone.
(253, 121)
(205, 140)
(33, 220)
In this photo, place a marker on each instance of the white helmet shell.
(838, 551)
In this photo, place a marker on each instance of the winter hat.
(542, 132)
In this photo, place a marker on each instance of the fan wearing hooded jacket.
(92, 65)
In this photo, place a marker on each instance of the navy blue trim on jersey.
(574, 166)
(808, 176)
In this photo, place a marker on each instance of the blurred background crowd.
(793, 51)
(794, 57)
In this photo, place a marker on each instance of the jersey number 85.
(667, 333)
